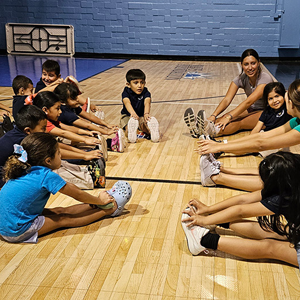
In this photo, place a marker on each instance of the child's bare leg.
(242, 182)
(252, 229)
(73, 216)
(258, 249)
(247, 123)
(239, 171)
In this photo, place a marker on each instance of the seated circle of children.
(51, 76)
(29, 184)
(276, 235)
(135, 113)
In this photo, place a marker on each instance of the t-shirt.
(40, 85)
(18, 103)
(24, 198)
(137, 101)
(273, 204)
(273, 119)
(51, 125)
(69, 115)
(295, 123)
(242, 81)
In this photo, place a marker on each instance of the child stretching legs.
(270, 237)
(30, 181)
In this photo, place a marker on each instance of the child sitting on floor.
(136, 108)
(73, 115)
(276, 235)
(51, 75)
(29, 184)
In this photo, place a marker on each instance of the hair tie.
(18, 149)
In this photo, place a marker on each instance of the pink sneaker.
(117, 143)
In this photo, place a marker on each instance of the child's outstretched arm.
(89, 126)
(69, 152)
(147, 106)
(258, 127)
(74, 137)
(230, 214)
(94, 119)
(129, 108)
(6, 108)
(73, 191)
(247, 198)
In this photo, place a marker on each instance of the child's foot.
(209, 166)
(97, 171)
(193, 234)
(73, 80)
(118, 142)
(121, 191)
(132, 127)
(154, 129)
(103, 146)
(189, 119)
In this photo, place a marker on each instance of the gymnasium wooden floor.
(143, 253)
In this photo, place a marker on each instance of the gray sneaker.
(132, 126)
(189, 119)
(193, 235)
(209, 166)
(201, 122)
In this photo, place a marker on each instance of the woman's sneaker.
(209, 166)
(118, 143)
(154, 129)
(189, 119)
(132, 127)
(122, 192)
(193, 235)
(201, 122)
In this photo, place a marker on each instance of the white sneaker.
(209, 166)
(154, 129)
(189, 119)
(193, 235)
(103, 146)
(132, 127)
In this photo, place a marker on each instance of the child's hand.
(208, 146)
(111, 131)
(91, 141)
(105, 198)
(147, 117)
(56, 82)
(92, 155)
(111, 126)
(94, 108)
(199, 207)
(135, 116)
(193, 218)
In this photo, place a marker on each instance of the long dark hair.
(39, 146)
(45, 99)
(278, 88)
(251, 52)
(66, 90)
(280, 174)
(294, 93)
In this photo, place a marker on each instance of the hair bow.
(18, 149)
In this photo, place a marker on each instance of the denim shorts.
(30, 235)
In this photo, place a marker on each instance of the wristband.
(214, 116)
(230, 115)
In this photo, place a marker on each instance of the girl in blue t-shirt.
(274, 114)
(29, 184)
(271, 237)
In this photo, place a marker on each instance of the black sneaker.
(97, 171)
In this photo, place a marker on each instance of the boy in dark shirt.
(136, 107)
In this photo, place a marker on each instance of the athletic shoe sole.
(189, 119)
(103, 147)
(132, 127)
(154, 129)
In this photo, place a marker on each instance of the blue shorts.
(30, 235)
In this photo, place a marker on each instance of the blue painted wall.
(159, 27)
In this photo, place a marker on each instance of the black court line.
(177, 100)
(153, 180)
